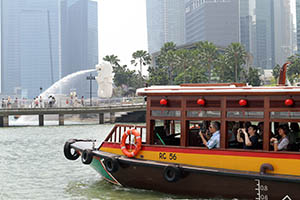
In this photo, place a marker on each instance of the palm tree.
(208, 56)
(236, 56)
(142, 58)
(112, 59)
(167, 59)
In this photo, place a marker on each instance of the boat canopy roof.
(217, 89)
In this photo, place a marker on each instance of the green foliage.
(142, 58)
(207, 54)
(167, 60)
(112, 59)
(276, 71)
(293, 70)
(253, 77)
(235, 56)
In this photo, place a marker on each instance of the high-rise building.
(298, 24)
(265, 53)
(247, 25)
(38, 37)
(165, 23)
(79, 35)
(273, 32)
(214, 21)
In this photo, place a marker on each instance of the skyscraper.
(298, 24)
(247, 24)
(283, 31)
(38, 36)
(214, 21)
(265, 53)
(273, 32)
(165, 23)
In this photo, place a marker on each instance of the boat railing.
(115, 136)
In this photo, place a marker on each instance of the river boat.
(168, 155)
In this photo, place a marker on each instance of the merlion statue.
(104, 80)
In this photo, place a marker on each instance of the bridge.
(108, 106)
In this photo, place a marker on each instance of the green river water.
(33, 166)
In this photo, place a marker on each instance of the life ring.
(171, 173)
(111, 164)
(70, 153)
(87, 156)
(137, 145)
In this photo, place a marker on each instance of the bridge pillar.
(4, 121)
(112, 117)
(101, 118)
(61, 120)
(41, 120)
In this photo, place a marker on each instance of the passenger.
(282, 144)
(214, 141)
(295, 131)
(249, 141)
(260, 130)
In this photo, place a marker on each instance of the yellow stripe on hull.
(243, 163)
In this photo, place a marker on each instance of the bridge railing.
(65, 102)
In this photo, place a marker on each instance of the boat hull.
(186, 180)
(195, 181)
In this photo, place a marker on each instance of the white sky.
(122, 28)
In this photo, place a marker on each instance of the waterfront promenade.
(97, 106)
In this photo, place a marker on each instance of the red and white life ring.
(137, 145)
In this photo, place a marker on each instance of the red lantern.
(289, 102)
(163, 102)
(243, 102)
(201, 102)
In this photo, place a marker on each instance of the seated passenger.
(249, 141)
(214, 141)
(282, 144)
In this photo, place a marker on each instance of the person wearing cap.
(282, 144)
(214, 141)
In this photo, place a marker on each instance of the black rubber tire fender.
(111, 164)
(171, 173)
(87, 156)
(67, 151)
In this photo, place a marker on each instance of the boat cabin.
(176, 114)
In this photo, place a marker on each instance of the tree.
(112, 59)
(185, 61)
(208, 56)
(127, 79)
(253, 77)
(157, 76)
(235, 55)
(276, 71)
(142, 58)
(167, 60)
(293, 70)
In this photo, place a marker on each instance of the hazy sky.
(122, 28)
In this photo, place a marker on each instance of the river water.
(33, 166)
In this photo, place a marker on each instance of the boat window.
(245, 114)
(203, 113)
(236, 136)
(285, 115)
(167, 132)
(193, 132)
(166, 113)
(291, 132)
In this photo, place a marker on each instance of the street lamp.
(90, 77)
(41, 90)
